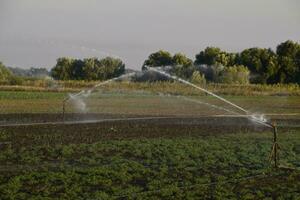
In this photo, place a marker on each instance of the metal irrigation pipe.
(274, 152)
(64, 107)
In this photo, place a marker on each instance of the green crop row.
(211, 167)
(162, 87)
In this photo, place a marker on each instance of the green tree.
(87, 69)
(211, 72)
(289, 61)
(109, 67)
(238, 74)
(182, 66)
(262, 64)
(63, 70)
(5, 74)
(179, 64)
(77, 70)
(208, 56)
(159, 59)
(181, 59)
(183, 71)
(214, 56)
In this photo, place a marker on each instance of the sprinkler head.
(273, 124)
(259, 117)
(66, 99)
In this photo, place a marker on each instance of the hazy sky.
(33, 33)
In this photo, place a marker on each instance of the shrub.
(5, 74)
(16, 80)
(237, 74)
(87, 69)
(198, 78)
(211, 72)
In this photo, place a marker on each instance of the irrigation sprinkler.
(275, 147)
(65, 100)
(64, 108)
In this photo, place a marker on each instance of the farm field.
(132, 145)
(149, 100)
(140, 103)
(186, 167)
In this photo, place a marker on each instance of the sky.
(34, 33)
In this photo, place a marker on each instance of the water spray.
(87, 92)
(258, 119)
(254, 118)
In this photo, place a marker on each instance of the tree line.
(254, 65)
(87, 69)
(257, 65)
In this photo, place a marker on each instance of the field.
(145, 145)
(218, 167)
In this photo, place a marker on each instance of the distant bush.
(148, 76)
(87, 69)
(198, 78)
(15, 80)
(29, 73)
(265, 65)
(5, 74)
(178, 64)
(211, 72)
(183, 71)
(238, 74)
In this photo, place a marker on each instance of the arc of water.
(101, 84)
(208, 104)
(224, 109)
(210, 93)
(197, 101)
(197, 87)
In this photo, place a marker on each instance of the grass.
(22, 95)
(142, 102)
(166, 87)
(26, 102)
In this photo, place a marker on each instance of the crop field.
(149, 100)
(143, 145)
(142, 103)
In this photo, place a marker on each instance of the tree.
(182, 66)
(109, 67)
(63, 70)
(208, 56)
(87, 69)
(214, 56)
(159, 59)
(237, 74)
(5, 74)
(183, 71)
(289, 61)
(211, 72)
(262, 64)
(77, 70)
(181, 59)
(179, 64)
